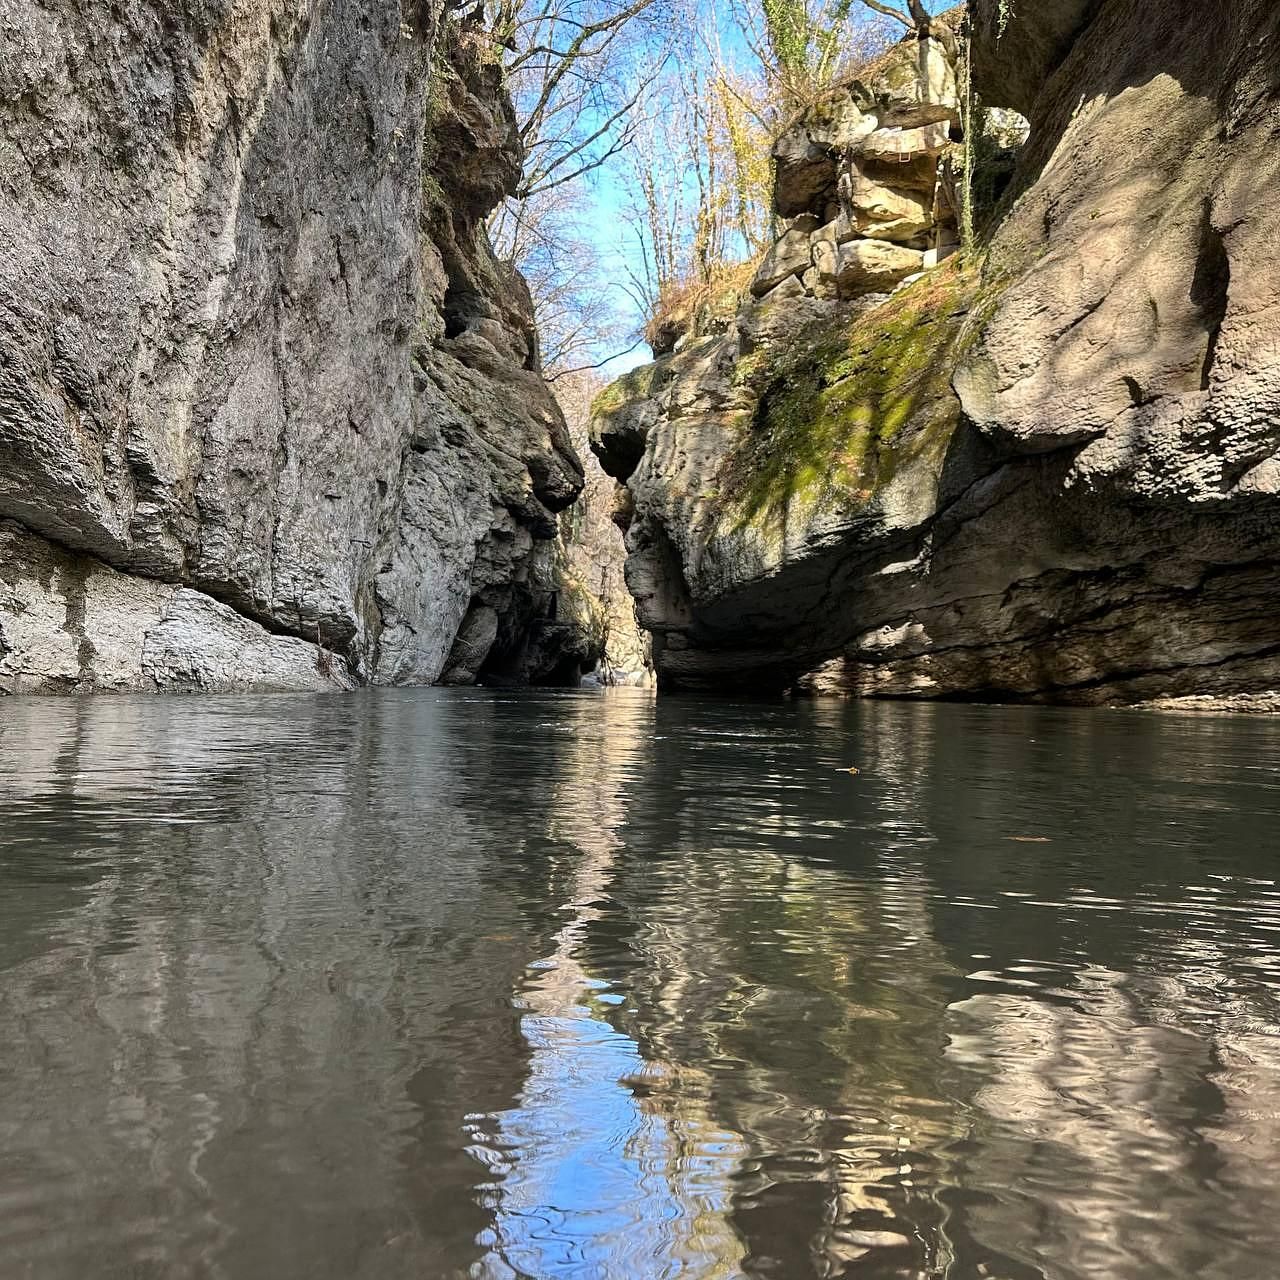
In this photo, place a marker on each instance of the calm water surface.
(578, 985)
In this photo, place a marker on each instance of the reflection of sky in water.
(607, 1168)
(592, 1180)
(601, 1171)
(618, 988)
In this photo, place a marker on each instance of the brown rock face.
(252, 343)
(864, 266)
(866, 156)
(860, 175)
(884, 210)
(1053, 474)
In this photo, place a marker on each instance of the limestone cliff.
(270, 413)
(1048, 471)
(594, 590)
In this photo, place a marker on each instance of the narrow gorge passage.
(638, 639)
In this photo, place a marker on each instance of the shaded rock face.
(595, 559)
(257, 364)
(1048, 475)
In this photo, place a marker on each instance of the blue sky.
(609, 197)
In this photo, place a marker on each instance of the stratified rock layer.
(1051, 476)
(259, 372)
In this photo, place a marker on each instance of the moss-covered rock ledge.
(1051, 474)
(751, 474)
(850, 403)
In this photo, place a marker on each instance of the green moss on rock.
(846, 406)
(638, 384)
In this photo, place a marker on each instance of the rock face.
(860, 175)
(1049, 473)
(593, 557)
(270, 413)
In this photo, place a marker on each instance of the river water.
(435, 984)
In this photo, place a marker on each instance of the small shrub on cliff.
(699, 307)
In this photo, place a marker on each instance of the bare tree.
(572, 75)
(701, 175)
(577, 71)
(916, 15)
(574, 307)
(800, 46)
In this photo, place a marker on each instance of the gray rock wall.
(256, 359)
(1051, 473)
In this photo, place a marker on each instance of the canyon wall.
(593, 560)
(1045, 470)
(271, 414)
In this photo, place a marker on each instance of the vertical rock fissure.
(1210, 289)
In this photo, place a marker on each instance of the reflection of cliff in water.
(608, 1164)
(563, 985)
(1114, 1040)
(803, 1004)
(811, 963)
(248, 950)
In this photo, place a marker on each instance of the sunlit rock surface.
(254, 345)
(593, 599)
(1048, 473)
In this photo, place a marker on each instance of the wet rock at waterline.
(1051, 472)
(71, 622)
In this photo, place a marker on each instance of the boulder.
(765, 321)
(71, 624)
(474, 642)
(863, 266)
(201, 646)
(882, 212)
(915, 86)
(918, 173)
(902, 146)
(622, 415)
(804, 174)
(838, 123)
(788, 257)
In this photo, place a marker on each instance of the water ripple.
(579, 985)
